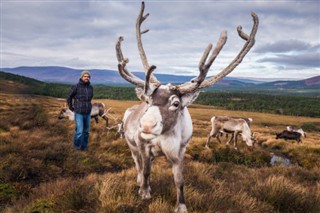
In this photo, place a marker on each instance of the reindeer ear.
(189, 98)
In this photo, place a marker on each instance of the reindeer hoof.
(207, 147)
(145, 194)
(181, 209)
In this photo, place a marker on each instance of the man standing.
(79, 101)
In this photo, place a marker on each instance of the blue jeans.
(81, 136)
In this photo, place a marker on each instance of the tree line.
(266, 103)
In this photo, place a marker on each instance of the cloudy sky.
(82, 35)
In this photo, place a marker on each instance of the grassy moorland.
(40, 172)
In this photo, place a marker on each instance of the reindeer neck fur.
(246, 132)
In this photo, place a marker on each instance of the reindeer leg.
(138, 162)
(208, 141)
(235, 134)
(209, 137)
(218, 137)
(96, 119)
(177, 169)
(145, 189)
(107, 120)
(232, 137)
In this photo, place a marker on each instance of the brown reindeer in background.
(98, 110)
(231, 125)
(161, 124)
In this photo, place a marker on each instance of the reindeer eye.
(176, 103)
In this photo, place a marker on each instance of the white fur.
(151, 123)
(144, 134)
(69, 114)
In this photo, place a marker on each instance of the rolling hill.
(107, 77)
(309, 83)
(55, 74)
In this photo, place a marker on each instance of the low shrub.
(8, 193)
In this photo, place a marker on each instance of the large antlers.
(150, 82)
(204, 67)
(122, 66)
(142, 53)
(199, 82)
(245, 49)
(127, 75)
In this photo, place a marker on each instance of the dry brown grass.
(40, 172)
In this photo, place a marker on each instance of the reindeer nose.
(147, 125)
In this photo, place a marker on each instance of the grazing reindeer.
(249, 122)
(289, 135)
(98, 109)
(297, 129)
(231, 125)
(161, 124)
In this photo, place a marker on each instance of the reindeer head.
(163, 107)
(252, 142)
(66, 113)
(164, 103)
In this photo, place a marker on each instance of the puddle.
(279, 160)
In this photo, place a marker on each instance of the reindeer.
(289, 135)
(249, 122)
(297, 129)
(161, 124)
(98, 110)
(231, 125)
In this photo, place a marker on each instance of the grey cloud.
(311, 60)
(284, 46)
(83, 33)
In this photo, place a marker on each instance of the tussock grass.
(286, 196)
(40, 172)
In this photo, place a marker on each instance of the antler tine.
(122, 66)
(142, 53)
(222, 41)
(204, 67)
(147, 89)
(246, 48)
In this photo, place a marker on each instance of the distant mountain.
(54, 74)
(15, 83)
(310, 83)
(313, 81)
(108, 77)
